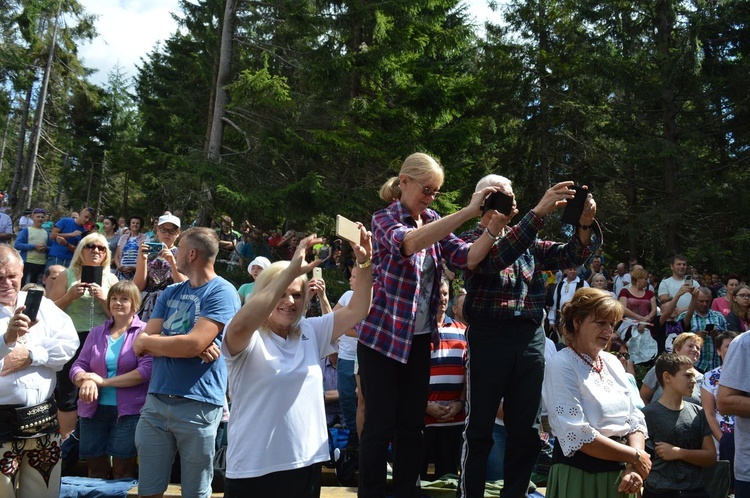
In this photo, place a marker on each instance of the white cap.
(261, 261)
(169, 218)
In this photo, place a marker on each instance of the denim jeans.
(169, 424)
(347, 385)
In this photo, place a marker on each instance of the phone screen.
(91, 274)
(500, 202)
(33, 300)
(574, 208)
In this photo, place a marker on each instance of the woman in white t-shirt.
(275, 382)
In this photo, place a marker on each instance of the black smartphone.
(709, 327)
(500, 202)
(91, 275)
(574, 209)
(33, 300)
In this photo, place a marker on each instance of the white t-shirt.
(347, 345)
(276, 387)
(671, 286)
(620, 282)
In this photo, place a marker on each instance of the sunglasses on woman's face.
(427, 191)
(95, 247)
(625, 356)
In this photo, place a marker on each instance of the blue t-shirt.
(108, 395)
(180, 306)
(66, 225)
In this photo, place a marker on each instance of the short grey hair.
(8, 253)
(491, 180)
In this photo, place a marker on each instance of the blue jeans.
(347, 385)
(496, 460)
(107, 434)
(55, 260)
(169, 424)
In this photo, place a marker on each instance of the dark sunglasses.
(37, 211)
(625, 356)
(99, 248)
(427, 191)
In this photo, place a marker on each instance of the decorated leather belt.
(23, 422)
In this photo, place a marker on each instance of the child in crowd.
(679, 433)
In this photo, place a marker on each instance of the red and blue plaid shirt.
(389, 328)
(509, 283)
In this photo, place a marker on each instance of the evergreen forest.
(287, 112)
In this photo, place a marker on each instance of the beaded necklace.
(597, 365)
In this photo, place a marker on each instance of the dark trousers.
(395, 402)
(296, 483)
(32, 274)
(442, 446)
(505, 361)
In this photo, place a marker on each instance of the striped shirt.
(509, 282)
(447, 372)
(389, 328)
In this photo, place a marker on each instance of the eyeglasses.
(744, 296)
(169, 231)
(92, 247)
(618, 354)
(427, 190)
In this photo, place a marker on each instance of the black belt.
(24, 422)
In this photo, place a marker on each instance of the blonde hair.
(638, 273)
(681, 339)
(128, 289)
(270, 274)
(418, 166)
(76, 264)
(585, 302)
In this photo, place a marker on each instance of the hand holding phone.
(500, 202)
(574, 208)
(154, 248)
(347, 229)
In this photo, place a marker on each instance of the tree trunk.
(222, 80)
(37, 129)
(665, 26)
(221, 100)
(18, 170)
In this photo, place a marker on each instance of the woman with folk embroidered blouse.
(409, 242)
(600, 433)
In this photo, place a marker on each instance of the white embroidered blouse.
(582, 403)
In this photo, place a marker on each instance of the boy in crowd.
(679, 432)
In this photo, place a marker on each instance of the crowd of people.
(457, 350)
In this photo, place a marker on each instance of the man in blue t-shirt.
(65, 236)
(189, 377)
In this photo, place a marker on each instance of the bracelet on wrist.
(637, 456)
(585, 227)
(489, 234)
(364, 265)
